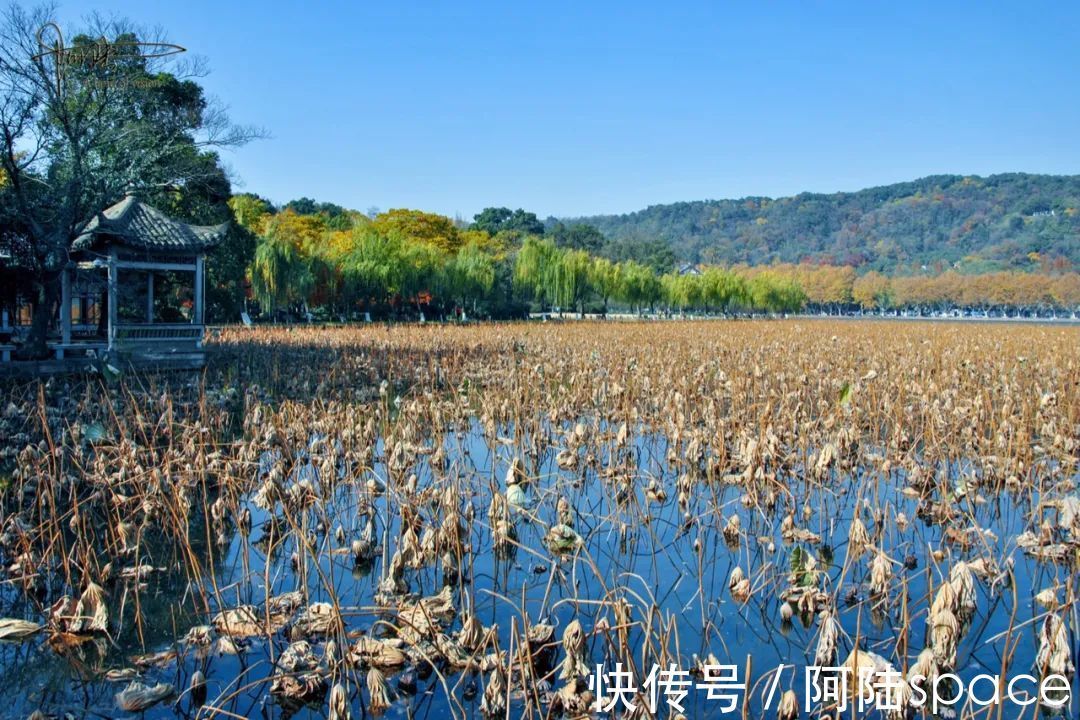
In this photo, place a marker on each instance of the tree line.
(968, 223)
(403, 263)
(73, 144)
(323, 259)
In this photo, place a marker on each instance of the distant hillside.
(972, 223)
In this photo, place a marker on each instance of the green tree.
(334, 216)
(640, 286)
(251, 211)
(280, 275)
(226, 269)
(682, 291)
(373, 266)
(577, 237)
(572, 279)
(774, 293)
(534, 269)
(656, 254)
(722, 289)
(605, 277)
(470, 274)
(422, 273)
(495, 220)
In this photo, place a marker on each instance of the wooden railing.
(160, 332)
(164, 344)
(159, 336)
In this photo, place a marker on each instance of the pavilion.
(132, 291)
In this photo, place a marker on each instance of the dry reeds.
(355, 507)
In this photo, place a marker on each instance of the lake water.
(670, 563)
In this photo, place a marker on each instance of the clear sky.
(584, 107)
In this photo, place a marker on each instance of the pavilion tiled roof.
(135, 224)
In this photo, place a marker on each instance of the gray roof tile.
(137, 225)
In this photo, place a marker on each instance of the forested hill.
(968, 222)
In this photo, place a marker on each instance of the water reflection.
(654, 567)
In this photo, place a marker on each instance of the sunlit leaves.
(471, 272)
(419, 226)
(280, 274)
(251, 212)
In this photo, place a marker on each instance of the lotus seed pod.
(378, 690)
(789, 706)
(197, 688)
(339, 703)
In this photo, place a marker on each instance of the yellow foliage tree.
(251, 212)
(419, 226)
(873, 290)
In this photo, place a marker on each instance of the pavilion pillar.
(199, 288)
(150, 297)
(113, 288)
(65, 306)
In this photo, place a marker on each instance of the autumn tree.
(417, 226)
(872, 291)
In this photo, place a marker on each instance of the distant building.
(689, 269)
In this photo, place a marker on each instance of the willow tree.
(280, 275)
(722, 289)
(535, 269)
(640, 286)
(571, 279)
(775, 293)
(470, 274)
(605, 277)
(682, 291)
(373, 267)
(422, 272)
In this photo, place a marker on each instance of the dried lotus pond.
(438, 521)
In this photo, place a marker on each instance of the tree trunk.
(35, 347)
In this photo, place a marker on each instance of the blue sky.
(576, 108)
